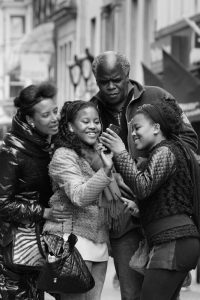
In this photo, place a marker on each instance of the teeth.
(91, 133)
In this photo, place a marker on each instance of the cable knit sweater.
(79, 189)
(163, 188)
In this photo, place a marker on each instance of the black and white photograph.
(100, 149)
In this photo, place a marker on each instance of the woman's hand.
(112, 141)
(106, 158)
(58, 214)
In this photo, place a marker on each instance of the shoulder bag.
(25, 251)
(65, 271)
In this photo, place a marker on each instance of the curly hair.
(167, 113)
(32, 95)
(120, 58)
(66, 138)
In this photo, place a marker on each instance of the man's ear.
(156, 128)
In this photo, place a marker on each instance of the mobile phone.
(115, 128)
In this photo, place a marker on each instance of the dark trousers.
(122, 251)
(160, 284)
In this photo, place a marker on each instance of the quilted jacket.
(24, 182)
(24, 193)
(163, 187)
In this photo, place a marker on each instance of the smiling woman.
(45, 118)
(86, 125)
(167, 196)
(38, 108)
(79, 188)
(25, 186)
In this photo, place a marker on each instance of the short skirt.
(181, 255)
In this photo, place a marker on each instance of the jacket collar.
(132, 85)
(26, 139)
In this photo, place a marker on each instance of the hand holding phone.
(112, 140)
(115, 128)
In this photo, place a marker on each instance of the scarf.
(111, 206)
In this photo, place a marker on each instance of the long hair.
(167, 113)
(66, 138)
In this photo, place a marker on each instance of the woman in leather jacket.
(24, 182)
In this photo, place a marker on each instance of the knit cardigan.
(79, 189)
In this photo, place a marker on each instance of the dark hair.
(32, 95)
(66, 138)
(167, 113)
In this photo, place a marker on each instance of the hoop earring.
(32, 124)
(70, 128)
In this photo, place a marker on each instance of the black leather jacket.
(24, 182)
(24, 193)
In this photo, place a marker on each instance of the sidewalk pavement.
(193, 291)
(111, 293)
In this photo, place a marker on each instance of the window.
(93, 35)
(65, 87)
(15, 84)
(15, 88)
(17, 26)
(181, 47)
(108, 28)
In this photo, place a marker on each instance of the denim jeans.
(122, 251)
(98, 271)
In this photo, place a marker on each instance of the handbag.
(140, 258)
(26, 250)
(65, 271)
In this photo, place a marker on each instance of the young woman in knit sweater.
(80, 189)
(164, 189)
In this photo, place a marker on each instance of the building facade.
(67, 34)
(15, 24)
(175, 31)
(84, 28)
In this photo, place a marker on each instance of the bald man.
(117, 100)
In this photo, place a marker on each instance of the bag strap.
(72, 224)
(37, 233)
(73, 213)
